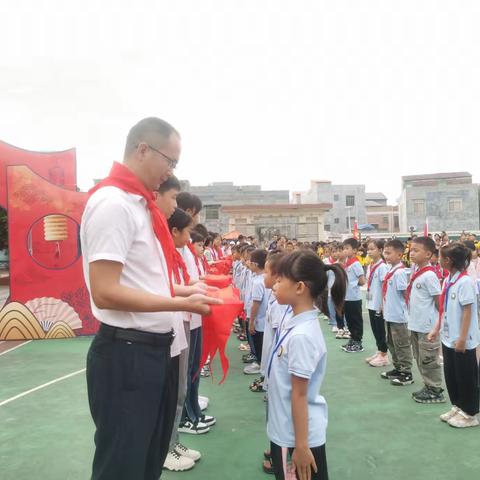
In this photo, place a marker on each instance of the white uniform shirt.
(116, 226)
(460, 294)
(260, 294)
(394, 306)
(302, 353)
(421, 311)
(374, 295)
(354, 272)
(189, 259)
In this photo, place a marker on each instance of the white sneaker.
(334, 329)
(379, 361)
(198, 428)
(252, 369)
(445, 417)
(463, 420)
(339, 334)
(183, 451)
(371, 357)
(177, 463)
(203, 402)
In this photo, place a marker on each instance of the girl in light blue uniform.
(297, 413)
(459, 332)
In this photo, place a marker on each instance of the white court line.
(14, 348)
(8, 400)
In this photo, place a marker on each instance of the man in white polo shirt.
(127, 259)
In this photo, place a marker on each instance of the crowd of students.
(422, 303)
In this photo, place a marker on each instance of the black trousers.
(132, 392)
(319, 454)
(461, 378)
(257, 340)
(377, 323)
(353, 315)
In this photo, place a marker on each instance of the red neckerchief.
(123, 178)
(446, 287)
(441, 273)
(417, 274)
(350, 262)
(214, 253)
(197, 262)
(179, 266)
(388, 276)
(372, 272)
(220, 254)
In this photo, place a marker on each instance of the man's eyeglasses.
(172, 162)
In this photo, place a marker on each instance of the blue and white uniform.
(298, 349)
(354, 272)
(260, 294)
(374, 294)
(394, 306)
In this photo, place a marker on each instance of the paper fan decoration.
(50, 311)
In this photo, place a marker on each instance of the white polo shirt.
(116, 226)
(374, 295)
(394, 306)
(189, 259)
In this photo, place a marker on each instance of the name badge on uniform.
(453, 296)
(390, 282)
(419, 285)
(280, 351)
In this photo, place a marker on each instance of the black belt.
(136, 336)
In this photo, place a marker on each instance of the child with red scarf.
(422, 296)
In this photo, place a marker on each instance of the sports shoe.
(404, 378)
(253, 369)
(445, 417)
(197, 428)
(177, 463)
(339, 334)
(390, 374)
(205, 371)
(371, 357)
(463, 420)
(380, 361)
(334, 329)
(208, 420)
(346, 334)
(354, 347)
(203, 402)
(245, 347)
(250, 358)
(429, 395)
(187, 452)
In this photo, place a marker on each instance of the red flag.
(217, 326)
(355, 231)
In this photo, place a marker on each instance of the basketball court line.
(15, 347)
(40, 387)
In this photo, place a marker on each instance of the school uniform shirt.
(330, 281)
(460, 294)
(374, 295)
(195, 320)
(394, 306)
(354, 272)
(116, 226)
(260, 294)
(422, 314)
(236, 270)
(181, 328)
(248, 284)
(299, 350)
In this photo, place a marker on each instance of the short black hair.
(201, 229)
(172, 183)
(273, 259)
(380, 244)
(353, 242)
(189, 201)
(195, 237)
(426, 242)
(259, 257)
(469, 244)
(396, 244)
(148, 131)
(459, 255)
(179, 220)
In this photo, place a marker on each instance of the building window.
(336, 198)
(336, 221)
(327, 228)
(455, 205)
(212, 212)
(350, 200)
(385, 219)
(419, 207)
(396, 222)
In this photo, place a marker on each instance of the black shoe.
(404, 378)
(354, 347)
(347, 345)
(390, 374)
(250, 358)
(208, 420)
(429, 395)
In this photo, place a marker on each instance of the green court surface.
(375, 430)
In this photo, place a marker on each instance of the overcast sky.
(271, 92)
